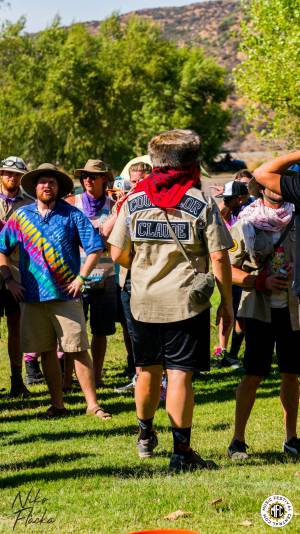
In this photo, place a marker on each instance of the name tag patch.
(159, 231)
(140, 203)
(191, 205)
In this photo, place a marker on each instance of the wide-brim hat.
(94, 166)
(29, 180)
(13, 164)
(139, 159)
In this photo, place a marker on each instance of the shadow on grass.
(129, 430)
(144, 471)
(43, 461)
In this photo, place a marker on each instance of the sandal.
(98, 412)
(53, 412)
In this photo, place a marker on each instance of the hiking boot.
(145, 447)
(237, 450)
(292, 447)
(18, 388)
(33, 373)
(189, 461)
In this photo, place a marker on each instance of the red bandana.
(166, 186)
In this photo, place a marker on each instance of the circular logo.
(235, 246)
(277, 511)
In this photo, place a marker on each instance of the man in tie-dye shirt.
(48, 234)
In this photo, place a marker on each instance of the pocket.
(202, 288)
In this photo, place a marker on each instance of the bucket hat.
(94, 166)
(13, 164)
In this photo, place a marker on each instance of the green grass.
(89, 471)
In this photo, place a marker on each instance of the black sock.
(236, 341)
(146, 427)
(182, 438)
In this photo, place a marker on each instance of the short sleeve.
(10, 235)
(290, 189)
(90, 239)
(216, 234)
(120, 235)
(237, 251)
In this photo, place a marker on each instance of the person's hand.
(218, 189)
(224, 316)
(74, 288)
(16, 289)
(276, 282)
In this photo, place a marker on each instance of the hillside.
(213, 25)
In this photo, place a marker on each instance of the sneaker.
(237, 450)
(145, 447)
(128, 387)
(292, 447)
(189, 461)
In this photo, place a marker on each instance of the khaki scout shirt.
(6, 210)
(161, 277)
(256, 304)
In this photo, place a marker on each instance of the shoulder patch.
(140, 203)
(153, 230)
(191, 205)
(235, 246)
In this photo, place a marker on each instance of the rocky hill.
(214, 25)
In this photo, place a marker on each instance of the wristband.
(260, 281)
(82, 278)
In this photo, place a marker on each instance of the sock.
(182, 439)
(146, 426)
(236, 341)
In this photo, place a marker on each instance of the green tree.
(67, 95)
(269, 74)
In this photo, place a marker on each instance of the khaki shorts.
(55, 323)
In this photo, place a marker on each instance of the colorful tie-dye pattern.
(49, 248)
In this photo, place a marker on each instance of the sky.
(40, 13)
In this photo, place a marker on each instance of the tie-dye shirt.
(49, 254)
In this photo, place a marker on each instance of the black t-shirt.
(290, 190)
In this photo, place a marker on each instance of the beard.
(12, 186)
(47, 198)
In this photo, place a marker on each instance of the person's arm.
(120, 240)
(75, 286)
(108, 225)
(222, 271)
(269, 174)
(11, 284)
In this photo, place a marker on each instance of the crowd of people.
(147, 251)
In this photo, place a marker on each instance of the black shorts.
(183, 345)
(8, 305)
(261, 337)
(101, 305)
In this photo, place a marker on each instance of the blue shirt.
(49, 255)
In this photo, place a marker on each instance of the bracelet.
(82, 278)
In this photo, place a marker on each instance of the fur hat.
(174, 148)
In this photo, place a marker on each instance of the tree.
(67, 95)
(269, 75)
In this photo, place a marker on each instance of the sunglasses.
(11, 163)
(94, 177)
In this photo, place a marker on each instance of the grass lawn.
(89, 479)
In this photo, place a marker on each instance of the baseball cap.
(233, 189)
